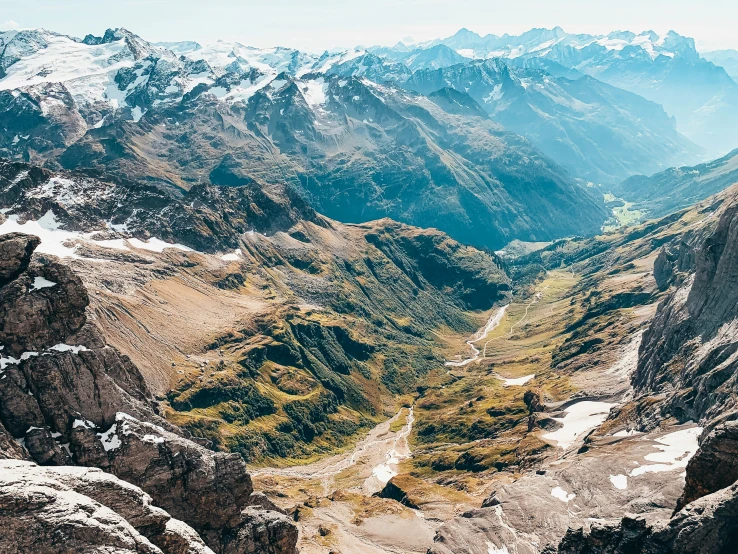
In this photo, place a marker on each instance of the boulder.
(533, 400)
(261, 532)
(260, 500)
(15, 255)
(394, 490)
(9, 448)
(44, 449)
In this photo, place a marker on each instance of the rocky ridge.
(685, 371)
(678, 187)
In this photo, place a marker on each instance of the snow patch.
(515, 382)
(387, 470)
(579, 418)
(10, 360)
(157, 245)
(561, 494)
(676, 449)
(314, 92)
(110, 439)
(41, 283)
(495, 95)
(626, 433)
(83, 423)
(69, 348)
(54, 240)
(619, 481)
(235, 256)
(137, 114)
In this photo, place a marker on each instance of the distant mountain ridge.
(124, 76)
(664, 69)
(679, 187)
(230, 114)
(586, 125)
(728, 59)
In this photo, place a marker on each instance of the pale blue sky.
(320, 24)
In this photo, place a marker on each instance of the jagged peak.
(464, 32)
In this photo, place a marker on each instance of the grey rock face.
(44, 449)
(69, 509)
(17, 250)
(707, 526)
(714, 466)
(689, 351)
(9, 448)
(205, 489)
(34, 319)
(210, 491)
(261, 532)
(663, 270)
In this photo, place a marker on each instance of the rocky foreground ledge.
(86, 464)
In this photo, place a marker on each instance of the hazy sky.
(323, 24)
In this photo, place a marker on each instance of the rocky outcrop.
(707, 526)
(533, 400)
(714, 466)
(33, 317)
(208, 490)
(261, 532)
(394, 490)
(9, 448)
(70, 509)
(68, 398)
(17, 250)
(663, 270)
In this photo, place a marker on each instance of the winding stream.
(381, 450)
(492, 323)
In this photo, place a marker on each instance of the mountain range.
(727, 59)
(357, 149)
(665, 69)
(318, 121)
(258, 300)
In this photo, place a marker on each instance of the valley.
(474, 295)
(449, 471)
